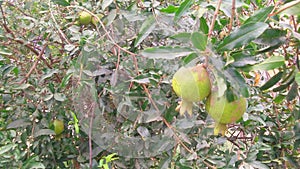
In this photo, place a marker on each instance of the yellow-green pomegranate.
(192, 85)
(85, 18)
(58, 126)
(224, 112)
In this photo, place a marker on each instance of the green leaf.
(145, 30)
(5, 51)
(65, 80)
(260, 15)
(49, 74)
(169, 9)
(203, 25)
(184, 6)
(18, 123)
(22, 86)
(184, 37)
(271, 37)
(61, 2)
(270, 63)
(7, 148)
(243, 35)
(272, 81)
(293, 92)
(42, 132)
(297, 78)
(243, 59)
(60, 97)
(199, 40)
(166, 52)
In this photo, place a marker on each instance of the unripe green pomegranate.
(58, 126)
(85, 18)
(192, 85)
(224, 112)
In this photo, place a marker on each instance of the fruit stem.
(220, 128)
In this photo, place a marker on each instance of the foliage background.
(117, 74)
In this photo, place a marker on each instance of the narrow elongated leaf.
(6, 148)
(182, 37)
(297, 78)
(260, 15)
(18, 123)
(270, 63)
(61, 2)
(276, 78)
(145, 30)
(49, 74)
(199, 40)
(243, 35)
(166, 52)
(44, 132)
(184, 6)
(292, 94)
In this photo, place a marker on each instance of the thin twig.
(91, 115)
(62, 35)
(211, 28)
(232, 16)
(285, 6)
(35, 64)
(30, 47)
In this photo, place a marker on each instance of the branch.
(211, 28)
(232, 16)
(35, 64)
(285, 6)
(30, 47)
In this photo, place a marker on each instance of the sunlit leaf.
(60, 97)
(270, 63)
(169, 9)
(145, 30)
(243, 35)
(6, 148)
(166, 52)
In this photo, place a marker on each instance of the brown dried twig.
(232, 16)
(211, 28)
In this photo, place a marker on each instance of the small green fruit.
(192, 85)
(58, 126)
(223, 111)
(85, 18)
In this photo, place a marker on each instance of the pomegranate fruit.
(192, 85)
(85, 18)
(224, 112)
